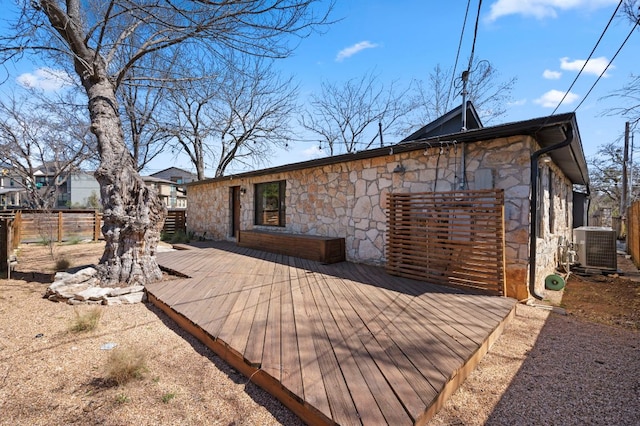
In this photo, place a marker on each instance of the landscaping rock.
(83, 288)
(125, 290)
(93, 293)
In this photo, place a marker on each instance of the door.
(235, 211)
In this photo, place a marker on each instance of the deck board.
(340, 343)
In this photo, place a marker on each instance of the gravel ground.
(550, 369)
(546, 369)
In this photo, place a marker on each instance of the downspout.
(534, 211)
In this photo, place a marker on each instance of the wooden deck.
(342, 343)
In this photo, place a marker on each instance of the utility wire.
(587, 61)
(607, 67)
(455, 66)
(475, 36)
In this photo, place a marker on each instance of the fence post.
(60, 224)
(17, 235)
(96, 225)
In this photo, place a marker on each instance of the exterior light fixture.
(399, 169)
(243, 191)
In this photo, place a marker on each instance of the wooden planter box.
(312, 247)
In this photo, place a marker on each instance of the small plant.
(62, 264)
(126, 364)
(74, 240)
(86, 321)
(168, 397)
(122, 398)
(180, 237)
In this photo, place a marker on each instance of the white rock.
(111, 301)
(93, 293)
(125, 290)
(132, 297)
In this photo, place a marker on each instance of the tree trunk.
(133, 212)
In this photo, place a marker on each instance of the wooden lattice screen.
(451, 238)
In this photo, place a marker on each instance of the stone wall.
(348, 199)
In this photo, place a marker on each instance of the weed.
(74, 240)
(168, 397)
(62, 264)
(156, 379)
(126, 364)
(122, 398)
(86, 321)
(179, 238)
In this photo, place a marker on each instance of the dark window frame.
(269, 203)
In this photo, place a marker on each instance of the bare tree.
(234, 114)
(104, 41)
(438, 94)
(43, 141)
(605, 175)
(346, 117)
(143, 136)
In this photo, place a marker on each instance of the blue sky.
(543, 43)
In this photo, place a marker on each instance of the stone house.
(537, 163)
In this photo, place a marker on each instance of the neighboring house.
(177, 175)
(536, 162)
(78, 189)
(12, 192)
(173, 195)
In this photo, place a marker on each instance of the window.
(270, 203)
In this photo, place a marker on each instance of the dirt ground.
(50, 375)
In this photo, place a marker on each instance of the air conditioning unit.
(596, 247)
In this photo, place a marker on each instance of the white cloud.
(553, 97)
(46, 79)
(313, 152)
(595, 66)
(518, 102)
(541, 9)
(551, 75)
(348, 52)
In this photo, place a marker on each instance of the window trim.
(259, 217)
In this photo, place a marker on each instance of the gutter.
(534, 211)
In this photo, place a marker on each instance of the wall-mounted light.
(545, 159)
(399, 169)
(243, 191)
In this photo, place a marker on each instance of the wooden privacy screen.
(451, 238)
(633, 232)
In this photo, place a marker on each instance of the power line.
(475, 36)
(607, 67)
(587, 61)
(455, 66)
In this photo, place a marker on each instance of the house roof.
(157, 180)
(178, 171)
(547, 131)
(451, 122)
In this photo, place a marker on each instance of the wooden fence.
(57, 225)
(6, 245)
(30, 226)
(175, 222)
(450, 238)
(633, 232)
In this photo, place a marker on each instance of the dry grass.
(87, 320)
(126, 364)
(62, 264)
